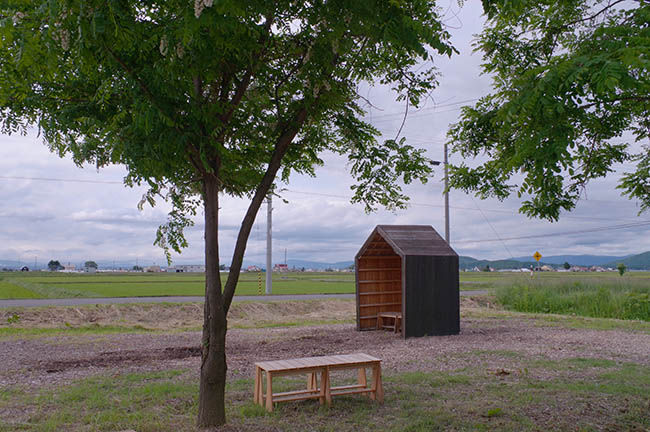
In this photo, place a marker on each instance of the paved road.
(175, 299)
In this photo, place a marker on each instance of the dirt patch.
(156, 316)
(510, 342)
(120, 358)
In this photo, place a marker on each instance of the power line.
(435, 107)
(509, 212)
(493, 230)
(61, 180)
(347, 198)
(565, 233)
(412, 116)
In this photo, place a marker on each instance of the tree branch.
(281, 147)
(619, 99)
(604, 9)
(145, 89)
(240, 91)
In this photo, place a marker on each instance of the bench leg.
(312, 381)
(378, 390)
(362, 378)
(258, 385)
(326, 386)
(323, 384)
(269, 391)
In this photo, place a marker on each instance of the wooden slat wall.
(379, 283)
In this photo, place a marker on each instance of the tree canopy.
(201, 98)
(54, 265)
(571, 94)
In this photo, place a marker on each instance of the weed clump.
(592, 298)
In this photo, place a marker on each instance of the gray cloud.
(73, 221)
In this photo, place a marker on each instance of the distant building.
(189, 268)
(281, 268)
(253, 268)
(579, 269)
(90, 269)
(153, 269)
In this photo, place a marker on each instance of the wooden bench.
(314, 366)
(396, 318)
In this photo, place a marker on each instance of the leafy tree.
(566, 266)
(54, 265)
(200, 99)
(621, 268)
(137, 268)
(90, 264)
(571, 92)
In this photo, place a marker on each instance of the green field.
(59, 285)
(12, 291)
(56, 285)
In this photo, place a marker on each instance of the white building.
(189, 268)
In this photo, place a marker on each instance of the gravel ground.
(50, 361)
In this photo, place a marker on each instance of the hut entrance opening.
(379, 282)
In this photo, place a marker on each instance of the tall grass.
(607, 297)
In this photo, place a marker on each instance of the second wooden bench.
(314, 366)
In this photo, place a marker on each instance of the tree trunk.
(212, 408)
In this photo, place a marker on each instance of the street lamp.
(446, 165)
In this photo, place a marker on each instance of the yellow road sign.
(537, 256)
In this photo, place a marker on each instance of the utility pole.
(446, 162)
(269, 241)
(446, 179)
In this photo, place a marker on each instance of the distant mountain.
(10, 264)
(579, 260)
(466, 262)
(316, 265)
(633, 262)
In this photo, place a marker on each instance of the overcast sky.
(94, 216)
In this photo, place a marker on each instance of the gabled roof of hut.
(406, 240)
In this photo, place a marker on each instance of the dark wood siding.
(431, 298)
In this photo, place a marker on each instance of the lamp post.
(446, 165)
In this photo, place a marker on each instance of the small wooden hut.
(408, 269)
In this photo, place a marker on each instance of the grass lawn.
(611, 395)
(512, 387)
